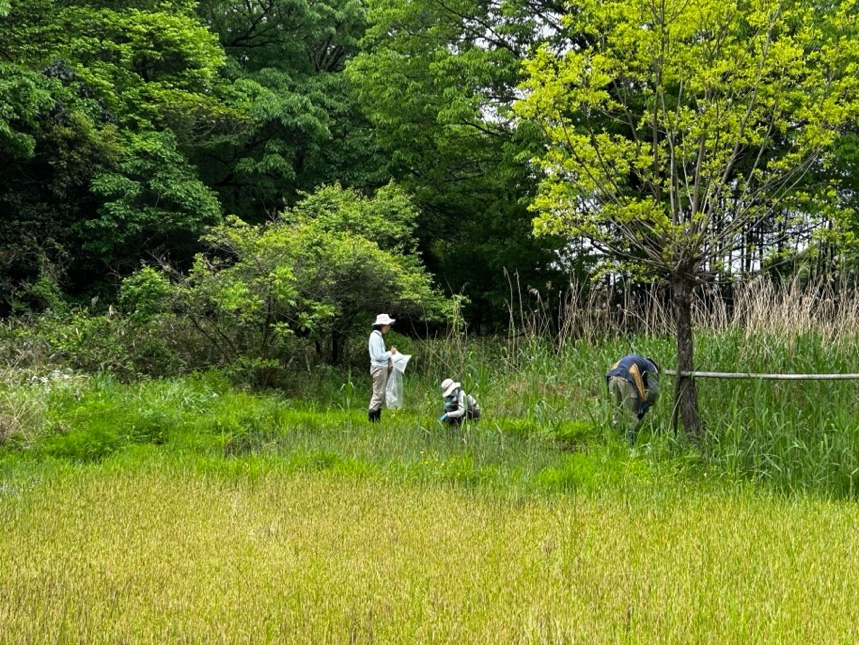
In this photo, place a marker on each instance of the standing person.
(380, 365)
(457, 404)
(634, 383)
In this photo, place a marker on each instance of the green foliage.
(99, 104)
(151, 68)
(388, 219)
(668, 142)
(795, 435)
(89, 343)
(91, 421)
(43, 294)
(285, 62)
(319, 272)
(92, 444)
(153, 198)
(681, 134)
(24, 97)
(142, 344)
(22, 419)
(578, 473)
(144, 68)
(245, 432)
(438, 81)
(145, 294)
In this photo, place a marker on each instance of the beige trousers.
(380, 382)
(626, 400)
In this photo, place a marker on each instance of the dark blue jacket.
(642, 373)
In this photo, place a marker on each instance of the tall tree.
(438, 80)
(679, 125)
(100, 102)
(285, 64)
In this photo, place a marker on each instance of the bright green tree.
(677, 125)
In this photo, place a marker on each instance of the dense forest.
(130, 128)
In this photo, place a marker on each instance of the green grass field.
(190, 510)
(164, 551)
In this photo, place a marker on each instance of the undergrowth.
(545, 424)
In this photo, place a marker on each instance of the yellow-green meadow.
(154, 555)
(197, 510)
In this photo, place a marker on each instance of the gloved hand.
(447, 405)
(442, 418)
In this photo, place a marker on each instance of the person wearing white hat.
(457, 404)
(380, 365)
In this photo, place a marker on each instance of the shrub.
(310, 278)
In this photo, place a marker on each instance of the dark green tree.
(285, 64)
(438, 79)
(101, 102)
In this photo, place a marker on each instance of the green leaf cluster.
(99, 107)
(322, 270)
(302, 128)
(679, 127)
(152, 193)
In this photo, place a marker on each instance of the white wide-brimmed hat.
(384, 319)
(448, 385)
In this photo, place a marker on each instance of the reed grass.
(542, 409)
(542, 397)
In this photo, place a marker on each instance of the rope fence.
(774, 377)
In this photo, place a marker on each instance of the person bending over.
(633, 382)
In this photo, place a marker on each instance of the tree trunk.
(685, 394)
(335, 347)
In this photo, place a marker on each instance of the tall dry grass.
(762, 305)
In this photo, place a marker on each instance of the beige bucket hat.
(448, 385)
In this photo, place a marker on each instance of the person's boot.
(374, 415)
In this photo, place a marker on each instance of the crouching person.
(633, 382)
(457, 404)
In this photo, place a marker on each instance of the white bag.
(394, 390)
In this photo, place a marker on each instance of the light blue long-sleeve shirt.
(378, 355)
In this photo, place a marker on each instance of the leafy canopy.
(284, 64)
(438, 81)
(680, 124)
(100, 103)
